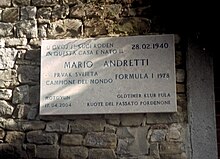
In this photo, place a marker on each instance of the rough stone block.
(113, 119)
(171, 148)
(5, 108)
(73, 152)
(101, 140)
(42, 31)
(5, 94)
(21, 95)
(28, 13)
(6, 29)
(100, 29)
(132, 26)
(57, 126)
(2, 41)
(33, 112)
(15, 42)
(180, 88)
(21, 111)
(5, 3)
(15, 137)
(65, 28)
(10, 15)
(60, 12)
(132, 119)
(180, 75)
(72, 139)
(40, 137)
(26, 29)
(164, 118)
(28, 74)
(7, 58)
(47, 151)
(77, 11)
(8, 78)
(2, 133)
(35, 94)
(154, 150)
(42, 3)
(158, 135)
(44, 13)
(33, 125)
(82, 126)
(132, 141)
(21, 2)
(102, 153)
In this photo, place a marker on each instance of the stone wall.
(26, 134)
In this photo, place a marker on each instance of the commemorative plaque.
(134, 74)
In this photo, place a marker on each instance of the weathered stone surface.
(35, 94)
(180, 75)
(21, 95)
(12, 124)
(132, 119)
(102, 140)
(47, 151)
(57, 126)
(180, 88)
(5, 3)
(6, 29)
(42, 31)
(110, 129)
(158, 135)
(113, 11)
(40, 137)
(21, 2)
(42, 3)
(33, 125)
(28, 13)
(174, 133)
(33, 112)
(100, 29)
(72, 139)
(2, 133)
(171, 148)
(113, 119)
(77, 11)
(65, 28)
(21, 111)
(8, 78)
(73, 152)
(15, 42)
(72, 2)
(7, 151)
(10, 15)
(5, 94)
(30, 149)
(28, 74)
(5, 108)
(60, 12)
(101, 153)
(154, 150)
(15, 137)
(132, 141)
(7, 58)
(2, 41)
(26, 29)
(165, 118)
(132, 26)
(178, 58)
(33, 55)
(44, 13)
(174, 156)
(2, 122)
(82, 126)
